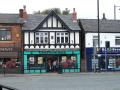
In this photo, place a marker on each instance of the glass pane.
(62, 39)
(37, 33)
(41, 39)
(117, 41)
(58, 39)
(66, 39)
(8, 36)
(58, 34)
(37, 39)
(46, 39)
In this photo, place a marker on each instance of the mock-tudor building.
(51, 40)
(108, 57)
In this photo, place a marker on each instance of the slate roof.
(35, 19)
(10, 19)
(106, 26)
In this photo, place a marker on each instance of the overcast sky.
(84, 8)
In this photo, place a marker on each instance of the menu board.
(40, 60)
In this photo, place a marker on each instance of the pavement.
(65, 81)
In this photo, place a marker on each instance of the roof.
(106, 26)
(35, 19)
(10, 19)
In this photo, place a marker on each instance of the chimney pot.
(104, 18)
(21, 13)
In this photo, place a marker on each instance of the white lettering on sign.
(6, 49)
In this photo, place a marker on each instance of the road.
(73, 81)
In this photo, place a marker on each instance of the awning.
(8, 54)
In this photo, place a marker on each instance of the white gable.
(52, 22)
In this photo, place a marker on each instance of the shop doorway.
(102, 63)
(52, 63)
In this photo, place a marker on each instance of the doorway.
(52, 63)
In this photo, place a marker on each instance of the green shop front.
(50, 60)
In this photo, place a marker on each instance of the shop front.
(105, 60)
(9, 61)
(50, 60)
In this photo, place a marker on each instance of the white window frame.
(61, 35)
(117, 38)
(42, 35)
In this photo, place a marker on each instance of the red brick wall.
(16, 41)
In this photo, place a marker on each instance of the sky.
(86, 9)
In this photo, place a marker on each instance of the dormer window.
(5, 34)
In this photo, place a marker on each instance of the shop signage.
(6, 49)
(110, 50)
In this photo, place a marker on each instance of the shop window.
(69, 62)
(5, 34)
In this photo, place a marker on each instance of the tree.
(57, 10)
(66, 11)
(36, 12)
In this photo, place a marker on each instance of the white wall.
(76, 37)
(49, 22)
(72, 38)
(26, 38)
(54, 22)
(31, 38)
(103, 37)
(52, 41)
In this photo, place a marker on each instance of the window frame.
(62, 36)
(43, 37)
(117, 38)
(6, 31)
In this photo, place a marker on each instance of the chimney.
(74, 15)
(104, 18)
(23, 13)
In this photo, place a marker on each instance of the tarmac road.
(67, 81)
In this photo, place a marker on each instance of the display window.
(69, 62)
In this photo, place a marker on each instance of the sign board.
(6, 49)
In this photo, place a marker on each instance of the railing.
(2, 87)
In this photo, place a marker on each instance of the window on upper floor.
(5, 34)
(41, 38)
(117, 40)
(95, 41)
(62, 38)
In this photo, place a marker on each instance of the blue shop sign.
(110, 50)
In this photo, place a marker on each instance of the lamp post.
(98, 21)
(115, 11)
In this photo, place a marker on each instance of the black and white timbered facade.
(51, 39)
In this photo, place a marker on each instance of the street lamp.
(98, 24)
(98, 27)
(115, 11)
